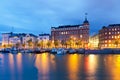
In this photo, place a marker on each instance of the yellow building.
(94, 41)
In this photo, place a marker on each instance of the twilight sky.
(37, 16)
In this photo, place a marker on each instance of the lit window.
(80, 36)
(109, 32)
(105, 45)
(115, 29)
(66, 33)
(112, 36)
(118, 36)
(62, 33)
(110, 45)
(118, 32)
(109, 41)
(105, 41)
(112, 29)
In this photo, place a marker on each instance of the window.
(112, 36)
(109, 32)
(105, 45)
(109, 41)
(112, 29)
(80, 36)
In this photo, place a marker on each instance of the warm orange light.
(73, 66)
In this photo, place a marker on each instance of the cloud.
(39, 15)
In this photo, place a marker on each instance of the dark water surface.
(59, 67)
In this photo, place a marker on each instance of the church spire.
(86, 16)
(86, 21)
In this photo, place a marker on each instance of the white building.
(43, 37)
(28, 37)
(5, 38)
(14, 38)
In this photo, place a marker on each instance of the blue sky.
(37, 16)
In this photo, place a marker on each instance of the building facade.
(109, 37)
(43, 37)
(17, 38)
(77, 32)
(14, 39)
(43, 40)
(5, 38)
(94, 41)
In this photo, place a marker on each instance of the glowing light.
(91, 64)
(73, 66)
(42, 64)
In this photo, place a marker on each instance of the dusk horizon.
(39, 16)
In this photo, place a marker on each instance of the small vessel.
(6, 50)
(53, 51)
(38, 51)
(81, 51)
(14, 50)
(61, 51)
(71, 51)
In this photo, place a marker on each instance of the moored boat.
(53, 51)
(61, 51)
(71, 51)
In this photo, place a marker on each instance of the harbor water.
(47, 66)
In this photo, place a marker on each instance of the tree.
(116, 42)
(36, 43)
(78, 43)
(23, 45)
(70, 41)
(41, 44)
(30, 43)
(56, 43)
(49, 43)
(63, 43)
(10, 45)
(4, 46)
(67, 43)
(17, 45)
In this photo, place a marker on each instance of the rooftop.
(67, 26)
(114, 25)
(44, 34)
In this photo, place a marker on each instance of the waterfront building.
(94, 41)
(5, 38)
(43, 40)
(43, 37)
(76, 32)
(14, 39)
(109, 36)
(27, 37)
(11, 39)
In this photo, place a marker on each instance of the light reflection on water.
(73, 65)
(59, 67)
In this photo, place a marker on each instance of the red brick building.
(77, 32)
(109, 37)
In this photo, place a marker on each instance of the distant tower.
(86, 22)
(12, 30)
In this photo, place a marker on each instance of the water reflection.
(90, 66)
(73, 65)
(42, 64)
(114, 66)
(59, 67)
(11, 64)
